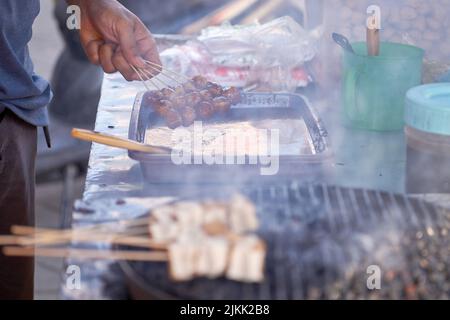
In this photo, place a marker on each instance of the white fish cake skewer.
(247, 260)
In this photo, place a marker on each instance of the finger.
(121, 64)
(128, 43)
(147, 46)
(106, 54)
(92, 49)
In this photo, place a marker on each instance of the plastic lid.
(428, 108)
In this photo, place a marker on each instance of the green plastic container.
(374, 88)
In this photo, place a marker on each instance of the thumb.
(128, 45)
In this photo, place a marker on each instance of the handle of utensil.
(343, 42)
(113, 141)
(373, 42)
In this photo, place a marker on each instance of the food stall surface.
(365, 160)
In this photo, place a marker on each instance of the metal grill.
(321, 240)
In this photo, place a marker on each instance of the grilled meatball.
(161, 106)
(179, 91)
(188, 116)
(167, 93)
(214, 89)
(233, 94)
(153, 95)
(200, 82)
(189, 87)
(206, 95)
(173, 118)
(192, 99)
(178, 101)
(221, 104)
(205, 110)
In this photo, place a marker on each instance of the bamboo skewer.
(132, 241)
(117, 142)
(164, 69)
(150, 76)
(87, 254)
(143, 81)
(165, 74)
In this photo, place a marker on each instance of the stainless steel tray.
(160, 169)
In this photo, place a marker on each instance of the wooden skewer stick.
(87, 254)
(132, 241)
(117, 142)
(150, 75)
(165, 74)
(160, 68)
(142, 79)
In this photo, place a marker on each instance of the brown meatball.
(205, 110)
(214, 89)
(161, 106)
(167, 93)
(233, 94)
(206, 95)
(173, 118)
(178, 101)
(188, 116)
(200, 82)
(153, 96)
(222, 104)
(179, 91)
(192, 99)
(189, 87)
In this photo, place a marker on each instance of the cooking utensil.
(343, 42)
(117, 142)
(373, 41)
(374, 87)
(254, 106)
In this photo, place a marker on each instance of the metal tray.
(254, 106)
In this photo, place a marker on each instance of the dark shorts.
(18, 141)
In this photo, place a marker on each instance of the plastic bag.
(270, 54)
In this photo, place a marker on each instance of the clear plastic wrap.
(270, 54)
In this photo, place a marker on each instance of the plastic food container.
(374, 88)
(428, 139)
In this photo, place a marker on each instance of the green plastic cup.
(374, 87)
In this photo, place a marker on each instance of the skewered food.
(200, 82)
(203, 240)
(188, 115)
(247, 260)
(205, 110)
(222, 104)
(233, 95)
(242, 216)
(195, 99)
(173, 118)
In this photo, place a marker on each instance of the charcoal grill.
(321, 240)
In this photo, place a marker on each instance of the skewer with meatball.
(198, 99)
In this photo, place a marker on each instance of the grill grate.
(321, 239)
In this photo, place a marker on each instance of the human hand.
(115, 38)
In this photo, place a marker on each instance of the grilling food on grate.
(247, 260)
(210, 239)
(196, 99)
